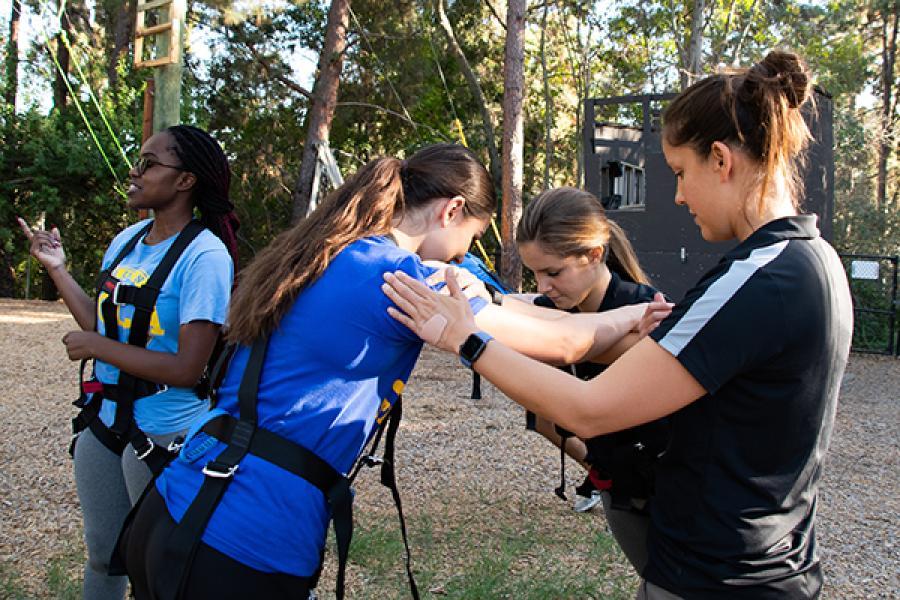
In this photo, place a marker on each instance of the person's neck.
(407, 238)
(594, 299)
(752, 221)
(168, 222)
(776, 205)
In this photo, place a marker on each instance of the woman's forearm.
(181, 369)
(645, 384)
(77, 301)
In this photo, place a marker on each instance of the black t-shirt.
(766, 333)
(626, 457)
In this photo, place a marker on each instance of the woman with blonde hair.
(583, 263)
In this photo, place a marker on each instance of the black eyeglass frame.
(143, 163)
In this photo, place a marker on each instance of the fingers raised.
(29, 233)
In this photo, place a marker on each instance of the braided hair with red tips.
(201, 155)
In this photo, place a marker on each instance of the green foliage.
(392, 100)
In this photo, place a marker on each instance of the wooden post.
(167, 101)
(147, 127)
(168, 63)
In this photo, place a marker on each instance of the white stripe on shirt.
(717, 295)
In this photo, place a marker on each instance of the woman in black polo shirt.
(748, 365)
(583, 262)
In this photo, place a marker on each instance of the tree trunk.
(475, 87)
(513, 141)
(888, 59)
(691, 67)
(548, 101)
(12, 55)
(324, 99)
(123, 31)
(60, 93)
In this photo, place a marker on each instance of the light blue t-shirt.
(334, 367)
(197, 289)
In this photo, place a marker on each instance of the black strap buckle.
(176, 445)
(371, 461)
(218, 470)
(144, 450)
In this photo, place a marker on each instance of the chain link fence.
(873, 284)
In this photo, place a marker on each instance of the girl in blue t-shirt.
(179, 170)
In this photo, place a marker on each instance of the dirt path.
(453, 452)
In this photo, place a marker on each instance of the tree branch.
(394, 113)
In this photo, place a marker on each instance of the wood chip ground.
(451, 449)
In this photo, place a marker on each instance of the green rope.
(84, 81)
(118, 185)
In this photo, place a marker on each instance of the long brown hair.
(367, 204)
(756, 109)
(567, 221)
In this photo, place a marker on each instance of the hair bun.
(784, 72)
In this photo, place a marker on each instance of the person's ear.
(595, 255)
(451, 210)
(722, 159)
(186, 181)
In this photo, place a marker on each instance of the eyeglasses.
(142, 164)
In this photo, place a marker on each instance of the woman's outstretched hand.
(46, 246)
(442, 321)
(654, 314)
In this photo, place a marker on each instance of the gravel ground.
(474, 447)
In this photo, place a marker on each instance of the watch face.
(470, 346)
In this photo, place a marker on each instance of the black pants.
(212, 574)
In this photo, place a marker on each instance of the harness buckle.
(218, 470)
(176, 445)
(145, 451)
(372, 461)
(115, 294)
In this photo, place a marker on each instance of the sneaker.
(586, 503)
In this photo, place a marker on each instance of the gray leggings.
(107, 485)
(630, 530)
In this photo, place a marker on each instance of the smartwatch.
(472, 348)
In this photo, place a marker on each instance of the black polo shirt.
(767, 333)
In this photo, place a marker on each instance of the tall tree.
(487, 122)
(513, 141)
(12, 55)
(888, 15)
(548, 100)
(323, 102)
(694, 56)
(60, 92)
(121, 20)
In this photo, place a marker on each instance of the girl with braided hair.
(142, 395)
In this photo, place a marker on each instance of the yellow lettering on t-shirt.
(137, 278)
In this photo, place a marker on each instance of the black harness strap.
(389, 479)
(144, 301)
(388, 475)
(129, 388)
(185, 539)
(243, 437)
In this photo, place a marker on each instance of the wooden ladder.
(172, 26)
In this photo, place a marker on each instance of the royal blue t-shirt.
(197, 289)
(334, 366)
